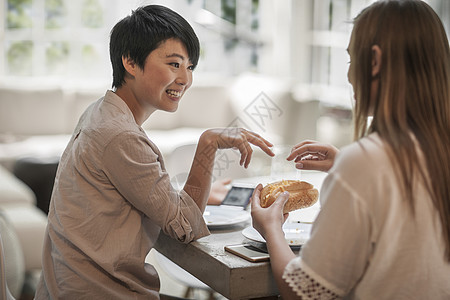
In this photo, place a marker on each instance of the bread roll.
(301, 194)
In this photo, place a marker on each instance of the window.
(54, 38)
(229, 34)
(330, 33)
(302, 40)
(326, 79)
(66, 40)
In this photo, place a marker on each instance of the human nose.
(350, 75)
(184, 78)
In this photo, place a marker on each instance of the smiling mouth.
(173, 93)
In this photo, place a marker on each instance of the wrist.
(273, 232)
(208, 139)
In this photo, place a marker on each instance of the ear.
(376, 60)
(129, 65)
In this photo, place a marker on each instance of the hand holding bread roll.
(301, 194)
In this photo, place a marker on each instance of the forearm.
(280, 255)
(198, 184)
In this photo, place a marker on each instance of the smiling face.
(166, 76)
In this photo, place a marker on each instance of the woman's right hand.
(198, 183)
(268, 221)
(240, 139)
(312, 155)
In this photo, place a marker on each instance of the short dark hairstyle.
(145, 30)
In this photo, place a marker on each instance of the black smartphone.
(248, 252)
(238, 196)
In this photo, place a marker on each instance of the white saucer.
(219, 216)
(296, 234)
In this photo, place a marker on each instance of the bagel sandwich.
(301, 194)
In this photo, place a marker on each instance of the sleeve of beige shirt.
(135, 171)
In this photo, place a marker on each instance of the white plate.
(218, 216)
(296, 234)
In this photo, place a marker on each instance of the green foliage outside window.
(255, 18)
(229, 10)
(19, 14)
(57, 54)
(92, 14)
(55, 14)
(88, 53)
(20, 58)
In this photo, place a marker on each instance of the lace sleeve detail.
(304, 285)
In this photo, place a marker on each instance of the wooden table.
(226, 273)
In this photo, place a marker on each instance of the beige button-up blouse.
(111, 198)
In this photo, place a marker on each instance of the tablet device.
(238, 196)
(248, 252)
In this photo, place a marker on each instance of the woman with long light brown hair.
(384, 227)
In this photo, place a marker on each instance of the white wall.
(41, 111)
(55, 110)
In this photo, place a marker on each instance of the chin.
(171, 109)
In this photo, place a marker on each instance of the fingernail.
(286, 193)
(299, 165)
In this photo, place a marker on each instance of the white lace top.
(306, 285)
(366, 243)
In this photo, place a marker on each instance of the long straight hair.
(413, 100)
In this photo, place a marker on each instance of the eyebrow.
(175, 55)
